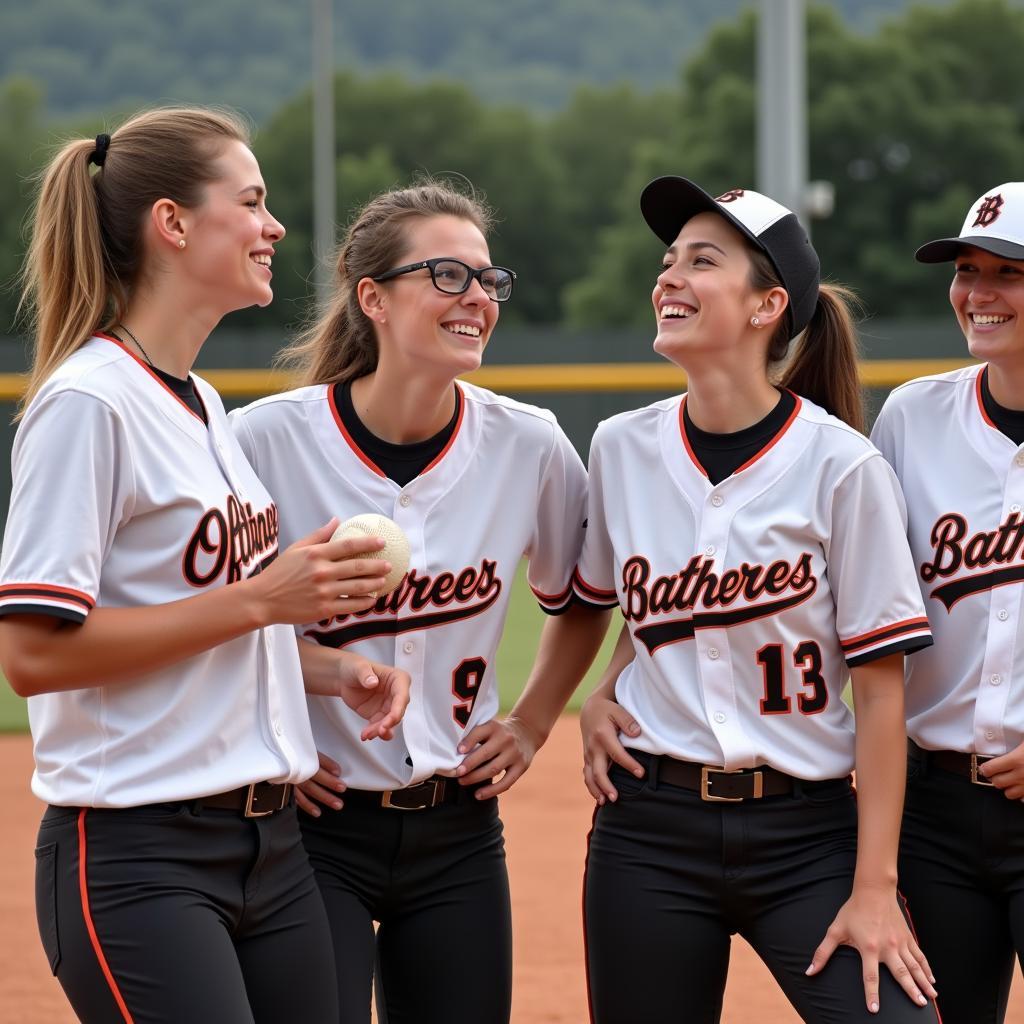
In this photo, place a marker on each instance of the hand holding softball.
(314, 579)
(396, 544)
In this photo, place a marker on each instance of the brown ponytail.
(824, 366)
(86, 253)
(341, 344)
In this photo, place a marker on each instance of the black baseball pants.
(962, 871)
(670, 878)
(171, 913)
(436, 882)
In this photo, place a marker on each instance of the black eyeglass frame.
(431, 265)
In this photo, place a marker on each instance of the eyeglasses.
(454, 277)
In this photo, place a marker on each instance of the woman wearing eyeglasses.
(477, 481)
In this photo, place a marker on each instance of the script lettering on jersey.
(237, 539)
(450, 596)
(697, 586)
(954, 550)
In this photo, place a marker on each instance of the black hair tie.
(99, 155)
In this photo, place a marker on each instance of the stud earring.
(181, 243)
(755, 321)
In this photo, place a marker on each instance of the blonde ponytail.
(86, 250)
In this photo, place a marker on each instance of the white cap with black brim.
(667, 203)
(995, 223)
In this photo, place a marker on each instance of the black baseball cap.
(667, 203)
(994, 223)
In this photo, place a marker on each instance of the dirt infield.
(547, 817)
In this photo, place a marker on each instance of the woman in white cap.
(955, 441)
(755, 543)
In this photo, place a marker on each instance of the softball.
(396, 544)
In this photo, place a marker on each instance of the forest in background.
(99, 55)
(913, 111)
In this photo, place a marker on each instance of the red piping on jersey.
(686, 440)
(65, 595)
(451, 440)
(977, 393)
(890, 632)
(363, 458)
(552, 598)
(778, 437)
(746, 465)
(149, 370)
(591, 591)
(83, 889)
(367, 461)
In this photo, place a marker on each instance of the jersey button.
(995, 679)
(1002, 615)
(408, 647)
(1020, 459)
(719, 716)
(713, 653)
(717, 500)
(990, 734)
(405, 501)
(278, 729)
(710, 550)
(1015, 508)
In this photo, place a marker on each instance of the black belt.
(717, 785)
(953, 761)
(432, 792)
(255, 801)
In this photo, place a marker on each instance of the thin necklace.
(139, 344)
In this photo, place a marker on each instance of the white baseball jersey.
(508, 484)
(964, 484)
(123, 497)
(747, 600)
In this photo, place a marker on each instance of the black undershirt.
(185, 390)
(399, 462)
(720, 455)
(1009, 421)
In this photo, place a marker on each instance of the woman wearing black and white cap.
(956, 441)
(755, 544)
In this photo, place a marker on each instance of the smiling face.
(987, 295)
(230, 237)
(703, 300)
(419, 326)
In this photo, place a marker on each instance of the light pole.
(323, 146)
(782, 104)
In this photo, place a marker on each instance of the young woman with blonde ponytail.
(755, 543)
(412, 838)
(146, 603)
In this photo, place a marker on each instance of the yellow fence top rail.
(540, 377)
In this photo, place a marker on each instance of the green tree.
(389, 132)
(21, 135)
(909, 124)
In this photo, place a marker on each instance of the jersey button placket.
(713, 644)
(995, 685)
